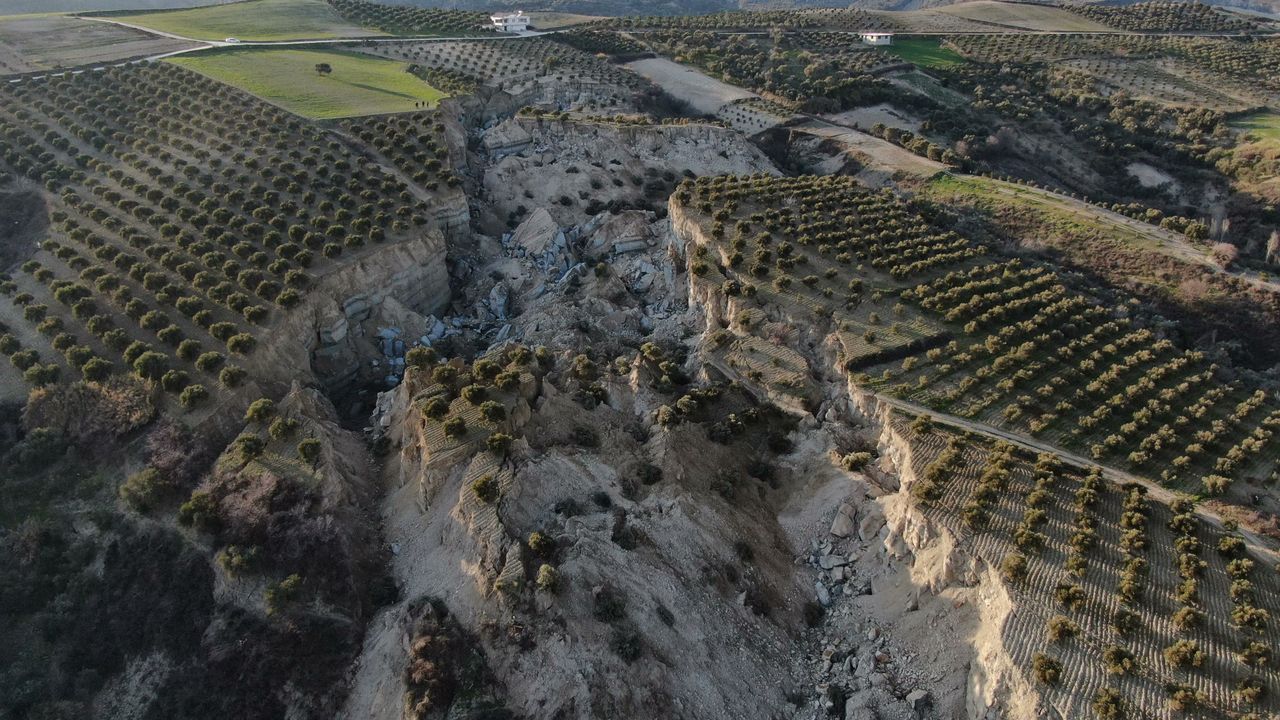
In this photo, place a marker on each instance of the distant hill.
(692, 7)
(17, 7)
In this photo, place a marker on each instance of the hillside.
(376, 365)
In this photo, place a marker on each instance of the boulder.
(842, 525)
(537, 234)
(920, 701)
(872, 521)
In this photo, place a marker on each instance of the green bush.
(455, 427)
(1184, 654)
(1046, 670)
(1118, 660)
(281, 428)
(309, 450)
(1060, 628)
(548, 578)
(436, 408)
(1014, 567)
(144, 490)
(420, 357)
(282, 595)
(260, 411)
(1108, 704)
(201, 512)
(193, 395)
(499, 443)
(231, 376)
(486, 488)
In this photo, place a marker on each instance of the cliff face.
(917, 566)
(335, 331)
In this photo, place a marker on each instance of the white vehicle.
(232, 40)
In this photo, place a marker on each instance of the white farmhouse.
(511, 22)
(876, 38)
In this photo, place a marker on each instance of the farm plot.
(505, 64)
(820, 72)
(925, 315)
(815, 19)
(187, 219)
(355, 84)
(410, 20)
(1025, 16)
(32, 43)
(924, 52)
(1173, 82)
(252, 20)
(1118, 597)
(704, 94)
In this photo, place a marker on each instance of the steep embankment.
(912, 566)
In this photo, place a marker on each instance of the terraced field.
(1114, 589)
(946, 324)
(507, 64)
(187, 219)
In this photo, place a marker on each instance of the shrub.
(193, 395)
(209, 361)
(1014, 567)
(231, 376)
(486, 488)
(1061, 627)
(455, 427)
(1250, 690)
(200, 512)
(474, 394)
(282, 428)
(1126, 622)
(1070, 595)
(95, 369)
(234, 559)
(548, 578)
(1184, 654)
(856, 461)
(1255, 654)
(540, 544)
(280, 596)
(259, 410)
(608, 605)
(420, 357)
(1118, 660)
(626, 643)
(1046, 670)
(436, 408)
(188, 350)
(1187, 618)
(493, 411)
(1182, 697)
(150, 365)
(499, 443)
(241, 343)
(144, 489)
(175, 380)
(309, 450)
(1108, 704)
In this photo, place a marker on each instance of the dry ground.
(705, 94)
(32, 43)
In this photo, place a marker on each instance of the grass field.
(358, 85)
(253, 20)
(1265, 126)
(924, 52)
